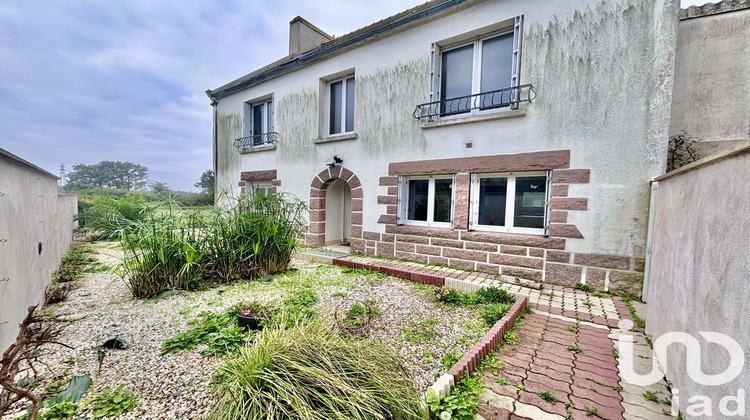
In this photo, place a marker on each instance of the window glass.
(418, 195)
(497, 73)
(456, 78)
(269, 111)
(492, 197)
(530, 201)
(257, 123)
(334, 123)
(350, 104)
(442, 212)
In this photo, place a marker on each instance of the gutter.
(321, 52)
(214, 140)
(649, 239)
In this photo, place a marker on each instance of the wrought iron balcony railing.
(257, 140)
(501, 98)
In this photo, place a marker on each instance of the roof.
(13, 158)
(386, 27)
(710, 9)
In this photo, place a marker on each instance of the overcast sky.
(83, 81)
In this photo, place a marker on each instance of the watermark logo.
(699, 405)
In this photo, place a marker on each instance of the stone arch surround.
(316, 235)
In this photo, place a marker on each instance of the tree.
(108, 175)
(206, 183)
(159, 189)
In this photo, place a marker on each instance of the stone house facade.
(505, 136)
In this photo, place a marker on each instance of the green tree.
(108, 175)
(206, 183)
(159, 189)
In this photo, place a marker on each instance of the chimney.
(304, 36)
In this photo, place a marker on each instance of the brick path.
(541, 361)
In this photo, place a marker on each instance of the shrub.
(174, 248)
(106, 217)
(219, 331)
(309, 371)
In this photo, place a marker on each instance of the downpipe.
(649, 239)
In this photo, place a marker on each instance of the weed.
(421, 331)
(491, 313)
(450, 359)
(588, 303)
(62, 410)
(520, 387)
(548, 396)
(111, 403)
(339, 295)
(575, 349)
(502, 381)
(217, 330)
(593, 411)
(572, 329)
(463, 401)
(638, 321)
(584, 288)
(510, 338)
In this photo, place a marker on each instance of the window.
(258, 187)
(477, 75)
(512, 202)
(341, 106)
(426, 201)
(258, 122)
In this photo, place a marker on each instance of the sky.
(82, 81)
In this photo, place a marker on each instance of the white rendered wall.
(603, 73)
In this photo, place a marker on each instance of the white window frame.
(403, 201)
(344, 82)
(510, 201)
(437, 59)
(248, 120)
(252, 187)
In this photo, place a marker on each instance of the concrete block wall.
(36, 229)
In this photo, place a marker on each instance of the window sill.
(246, 150)
(520, 112)
(338, 137)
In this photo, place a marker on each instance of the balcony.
(256, 141)
(476, 103)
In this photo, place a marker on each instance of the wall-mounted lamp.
(336, 161)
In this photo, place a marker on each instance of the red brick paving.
(588, 379)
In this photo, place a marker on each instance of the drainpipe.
(214, 144)
(649, 239)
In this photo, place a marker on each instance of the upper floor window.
(426, 200)
(481, 67)
(341, 105)
(510, 202)
(257, 123)
(477, 72)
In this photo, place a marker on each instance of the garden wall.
(36, 229)
(700, 266)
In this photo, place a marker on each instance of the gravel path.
(177, 386)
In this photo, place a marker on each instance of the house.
(508, 136)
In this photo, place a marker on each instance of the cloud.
(83, 81)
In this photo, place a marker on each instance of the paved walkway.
(566, 350)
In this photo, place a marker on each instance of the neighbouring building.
(512, 137)
(711, 99)
(36, 229)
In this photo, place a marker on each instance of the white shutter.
(516, 64)
(453, 197)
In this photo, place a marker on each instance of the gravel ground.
(177, 386)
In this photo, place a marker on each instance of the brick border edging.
(468, 364)
(405, 272)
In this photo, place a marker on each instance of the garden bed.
(178, 385)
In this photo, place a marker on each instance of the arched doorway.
(335, 207)
(338, 223)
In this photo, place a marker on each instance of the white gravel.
(177, 386)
